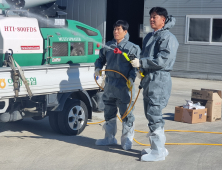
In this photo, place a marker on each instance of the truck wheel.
(53, 121)
(73, 119)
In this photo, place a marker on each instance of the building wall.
(102, 14)
(90, 12)
(193, 61)
(129, 10)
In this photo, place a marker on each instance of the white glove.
(98, 72)
(138, 75)
(129, 83)
(135, 62)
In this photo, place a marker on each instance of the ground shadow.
(44, 131)
(168, 116)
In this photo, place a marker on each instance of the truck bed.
(46, 79)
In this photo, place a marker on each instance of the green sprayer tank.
(59, 41)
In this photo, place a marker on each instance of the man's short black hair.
(122, 23)
(160, 11)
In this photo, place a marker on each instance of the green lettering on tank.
(32, 81)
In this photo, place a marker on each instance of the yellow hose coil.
(126, 113)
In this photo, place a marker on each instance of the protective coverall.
(156, 61)
(116, 93)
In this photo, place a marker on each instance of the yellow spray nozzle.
(126, 56)
(128, 59)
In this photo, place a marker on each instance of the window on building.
(201, 29)
(217, 30)
(77, 49)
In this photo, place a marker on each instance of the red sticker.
(30, 47)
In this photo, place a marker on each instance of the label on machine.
(20, 34)
(30, 47)
(56, 59)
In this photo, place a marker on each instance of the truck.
(46, 66)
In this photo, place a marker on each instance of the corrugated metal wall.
(90, 12)
(193, 61)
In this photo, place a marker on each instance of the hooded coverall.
(157, 59)
(116, 93)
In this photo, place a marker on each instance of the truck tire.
(73, 119)
(53, 121)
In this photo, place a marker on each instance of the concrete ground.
(33, 145)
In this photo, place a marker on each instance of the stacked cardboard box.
(209, 98)
(190, 115)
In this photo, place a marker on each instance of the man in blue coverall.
(116, 93)
(156, 61)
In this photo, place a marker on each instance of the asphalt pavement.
(32, 145)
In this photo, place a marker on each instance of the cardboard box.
(211, 99)
(190, 115)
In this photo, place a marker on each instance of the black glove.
(131, 57)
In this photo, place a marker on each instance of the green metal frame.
(69, 35)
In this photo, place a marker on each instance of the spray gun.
(128, 58)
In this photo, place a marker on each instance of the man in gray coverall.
(116, 93)
(156, 61)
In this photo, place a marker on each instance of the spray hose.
(127, 112)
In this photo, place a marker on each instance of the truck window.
(90, 48)
(77, 49)
(60, 49)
